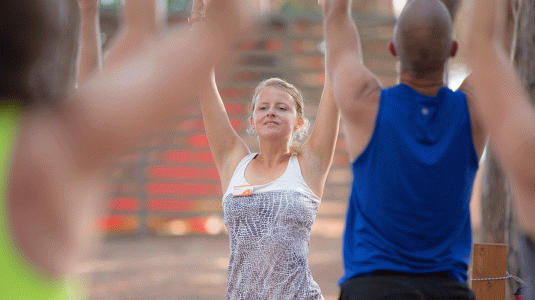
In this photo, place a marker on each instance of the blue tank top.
(409, 205)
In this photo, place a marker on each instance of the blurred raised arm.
(503, 102)
(137, 96)
(141, 21)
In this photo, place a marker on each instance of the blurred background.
(164, 233)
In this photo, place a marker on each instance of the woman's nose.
(271, 112)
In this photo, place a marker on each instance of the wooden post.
(489, 262)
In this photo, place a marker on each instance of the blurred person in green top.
(57, 141)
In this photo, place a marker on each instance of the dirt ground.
(187, 267)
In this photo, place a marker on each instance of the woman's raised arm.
(227, 147)
(318, 150)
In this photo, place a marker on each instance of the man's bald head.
(423, 36)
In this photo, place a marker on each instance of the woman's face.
(275, 114)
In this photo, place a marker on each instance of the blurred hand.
(481, 28)
(198, 10)
(92, 5)
(233, 16)
(140, 14)
(329, 6)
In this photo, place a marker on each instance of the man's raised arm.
(356, 90)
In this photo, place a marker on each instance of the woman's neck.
(271, 154)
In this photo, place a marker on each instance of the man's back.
(405, 214)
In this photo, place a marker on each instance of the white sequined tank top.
(269, 232)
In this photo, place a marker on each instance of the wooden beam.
(489, 262)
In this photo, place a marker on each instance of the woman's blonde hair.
(299, 135)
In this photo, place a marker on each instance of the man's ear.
(454, 48)
(392, 49)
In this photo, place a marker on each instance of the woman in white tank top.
(271, 198)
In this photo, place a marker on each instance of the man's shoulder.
(391, 90)
(458, 95)
(400, 90)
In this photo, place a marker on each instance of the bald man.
(414, 150)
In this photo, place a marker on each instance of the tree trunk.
(493, 195)
(524, 59)
(525, 50)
